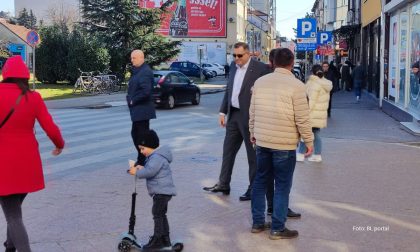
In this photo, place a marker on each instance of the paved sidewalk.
(362, 197)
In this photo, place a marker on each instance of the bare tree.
(63, 14)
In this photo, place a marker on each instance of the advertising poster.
(212, 52)
(192, 18)
(393, 50)
(403, 56)
(325, 50)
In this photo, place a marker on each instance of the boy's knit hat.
(415, 65)
(148, 139)
(15, 68)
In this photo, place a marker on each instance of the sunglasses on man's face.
(237, 55)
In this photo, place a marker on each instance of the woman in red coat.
(20, 162)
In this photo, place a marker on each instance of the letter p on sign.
(323, 38)
(306, 27)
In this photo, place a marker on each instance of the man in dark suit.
(139, 99)
(243, 73)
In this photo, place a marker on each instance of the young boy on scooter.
(160, 185)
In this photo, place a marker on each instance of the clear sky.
(288, 11)
(8, 5)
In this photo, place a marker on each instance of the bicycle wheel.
(77, 85)
(115, 86)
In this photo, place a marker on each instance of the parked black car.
(172, 87)
(190, 69)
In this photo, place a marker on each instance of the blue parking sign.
(324, 38)
(306, 28)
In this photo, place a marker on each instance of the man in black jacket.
(358, 76)
(329, 74)
(139, 98)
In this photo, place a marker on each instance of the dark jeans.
(138, 128)
(281, 163)
(270, 191)
(237, 131)
(159, 210)
(357, 87)
(16, 233)
(329, 104)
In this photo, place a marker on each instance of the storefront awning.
(371, 10)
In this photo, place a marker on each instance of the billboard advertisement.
(212, 52)
(191, 18)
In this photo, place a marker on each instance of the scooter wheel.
(178, 247)
(124, 246)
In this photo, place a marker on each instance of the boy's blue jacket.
(157, 172)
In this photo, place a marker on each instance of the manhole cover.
(97, 106)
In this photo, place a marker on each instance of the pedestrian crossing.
(98, 137)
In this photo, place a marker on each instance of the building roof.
(18, 30)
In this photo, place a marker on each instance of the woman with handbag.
(318, 90)
(20, 160)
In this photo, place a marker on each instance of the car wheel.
(214, 73)
(197, 98)
(170, 104)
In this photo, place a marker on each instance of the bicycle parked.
(91, 83)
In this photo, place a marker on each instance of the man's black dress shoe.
(216, 188)
(292, 215)
(246, 196)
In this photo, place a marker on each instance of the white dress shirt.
(237, 83)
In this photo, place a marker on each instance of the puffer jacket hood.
(318, 92)
(157, 172)
(165, 152)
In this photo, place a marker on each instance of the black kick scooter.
(129, 240)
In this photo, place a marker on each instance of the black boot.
(155, 243)
(12, 249)
(166, 241)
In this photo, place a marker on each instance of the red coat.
(20, 161)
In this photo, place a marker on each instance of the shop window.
(403, 57)
(393, 58)
(414, 84)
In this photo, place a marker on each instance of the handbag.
(11, 110)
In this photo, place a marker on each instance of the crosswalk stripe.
(93, 137)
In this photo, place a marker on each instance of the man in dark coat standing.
(244, 71)
(139, 99)
(358, 76)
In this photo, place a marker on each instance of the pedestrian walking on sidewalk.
(139, 99)
(358, 76)
(227, 69)
(160, 186)
(20, 161)
(278, 117)
(318, 91)
(235, 106)
(345, 76)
